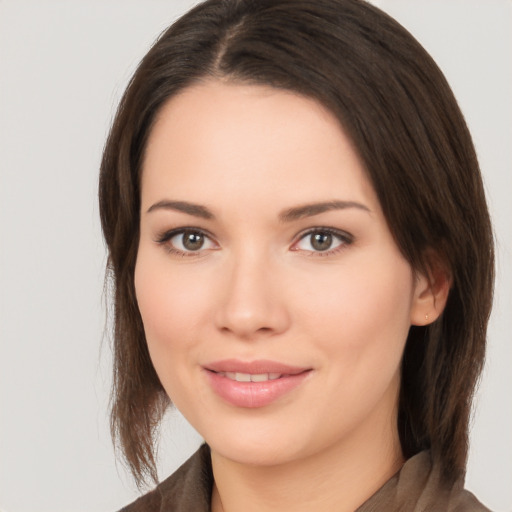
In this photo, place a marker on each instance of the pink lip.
(254, 367)
(253, 394)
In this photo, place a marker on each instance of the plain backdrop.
(63, 66)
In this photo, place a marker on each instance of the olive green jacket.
(415, 488)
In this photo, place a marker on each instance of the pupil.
(193, 241)
(321, 241)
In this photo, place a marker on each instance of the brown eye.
(187, 241)
(321, 241)
(192, 241)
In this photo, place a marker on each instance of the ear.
(431, 291)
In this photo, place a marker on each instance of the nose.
(252, 302)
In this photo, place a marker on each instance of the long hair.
(397, 108)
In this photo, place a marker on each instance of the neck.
(339, 479)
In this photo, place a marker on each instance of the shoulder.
(419, 487)
(465, 501)
(188, 489)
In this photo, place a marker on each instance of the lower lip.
(254, 394)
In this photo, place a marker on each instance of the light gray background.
(63, 66)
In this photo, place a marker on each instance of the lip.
(254, 367)
(254, 394)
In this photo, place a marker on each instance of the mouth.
(233, 367)
(254, 384)
(248, 377)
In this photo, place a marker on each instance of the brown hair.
(396, 106)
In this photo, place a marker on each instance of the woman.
(302, 259)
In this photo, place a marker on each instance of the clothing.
(415, 488)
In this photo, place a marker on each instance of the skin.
(258, 289)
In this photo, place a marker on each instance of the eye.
(186, 241)
(322, 241)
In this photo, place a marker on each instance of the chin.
(257, 444)
(252, 454)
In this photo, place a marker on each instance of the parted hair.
(395, 105)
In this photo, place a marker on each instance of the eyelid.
(167, 234)
(345, 237)
(164, 238)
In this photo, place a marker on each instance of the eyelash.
(343, 237)
(165, 238)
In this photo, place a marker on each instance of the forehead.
(248, 140)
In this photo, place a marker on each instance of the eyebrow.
(183, 206)
(308, 210)
(289, 215)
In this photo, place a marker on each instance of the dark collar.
(417, 487)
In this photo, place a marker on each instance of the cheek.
(171, 306)
(364, 315)
(360, 329)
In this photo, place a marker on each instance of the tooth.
(247, 377)
(260, 377)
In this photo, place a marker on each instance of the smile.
(247, 377)
(254, 384)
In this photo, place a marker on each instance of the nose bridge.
(252, 303)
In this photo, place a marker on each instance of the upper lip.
(256, 367)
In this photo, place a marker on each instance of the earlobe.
(430, 293)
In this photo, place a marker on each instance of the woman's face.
(275, 301)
